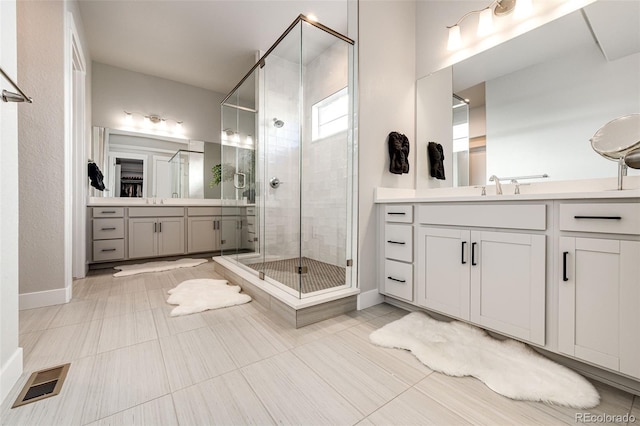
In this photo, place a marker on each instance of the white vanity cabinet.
(495, 279)
(203, 229)
(156, 231)
(599, 284)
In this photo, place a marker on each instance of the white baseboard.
(10, 373)
(369, 298)
(39, 299)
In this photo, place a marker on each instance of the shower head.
(278, 123)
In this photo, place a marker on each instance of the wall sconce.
(152, 121)
(498, 8)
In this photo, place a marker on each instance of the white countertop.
(159, 202)
(561, 190)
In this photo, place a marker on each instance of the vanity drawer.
(108, 229)
(108, 212)
(108, 250)
(398, 280)
(156, 211)
(398, 213)
(204, 211)
(610, 218)
(398, 242)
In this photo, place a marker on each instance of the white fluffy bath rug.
(507, 367)
(203, 293)
(160, 266)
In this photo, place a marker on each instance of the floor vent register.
(42, 384)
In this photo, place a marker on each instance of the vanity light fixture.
(152, 120)
(485, 18)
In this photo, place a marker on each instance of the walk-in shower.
(288, 164)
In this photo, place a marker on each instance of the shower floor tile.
(319, 276)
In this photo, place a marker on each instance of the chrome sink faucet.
(517, 184)
(495, 179)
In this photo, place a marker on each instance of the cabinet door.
(508, 283)
(443, 271)
(170, 235)
(143, 237)
(230, 233)
(599, 302)
(203, 234)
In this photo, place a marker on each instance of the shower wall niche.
(293, 112)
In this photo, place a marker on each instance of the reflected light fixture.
(312, 17)
(485, 18)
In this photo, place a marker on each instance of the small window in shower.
(330, 115)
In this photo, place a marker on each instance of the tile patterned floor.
(133, 364)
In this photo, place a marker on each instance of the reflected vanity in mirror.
(140, 165)
(535, 101)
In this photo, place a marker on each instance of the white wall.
(116, 90)
(42, 149)
(10, 353)
(544, 112)
(387, 38)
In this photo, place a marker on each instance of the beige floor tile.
(363, 383)
(63, 344)
(126, 303)
(36, 319)
(75, 312)
(294, 394)
(130, 284)
(224, 400)
(168, 325)
(158, 412)
(415, 408)
(475, 402)
(125, 330)
(216, 316)
(124, 378)
(158, 298)
(400, 363)
(635, 412)
(158, 281)
(194, 356)
(245, 343)
(364, 422)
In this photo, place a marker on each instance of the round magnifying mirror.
(618, 137)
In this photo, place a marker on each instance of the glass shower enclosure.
(287, 169)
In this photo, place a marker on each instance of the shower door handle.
(236, 181)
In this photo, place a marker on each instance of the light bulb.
(523, 9)
(236, 137)
(128, 118)
(312, 17)
(485, 22)
(163, 123)
(178, 128)
(249, 140)
(146, 121)
(454, 38)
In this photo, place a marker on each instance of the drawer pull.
(473, 254)
(395, 242)
(108, 211)
(564, 266)
(599, 217)
(108, 229)
(400, 213)
(397, 280)
(464, 262)
(111, 249)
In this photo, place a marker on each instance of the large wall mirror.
(140, 165)
(535, 101)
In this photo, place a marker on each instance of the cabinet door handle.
(111, 249)
(400, 213)
(154, 227)
(397, 280)
(564, 266)
(395, 242)
(464, 262)
(108, 211)
(599, 217)
(108, 229)
(473, 254)
(160, 227)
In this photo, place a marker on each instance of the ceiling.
(207, 43)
